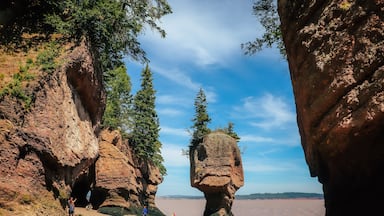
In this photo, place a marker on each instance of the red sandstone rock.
(216, 170)
(44, 149)
(336, 59)
(121, 177)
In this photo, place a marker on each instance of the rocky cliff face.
(336, 58)
(54, 148)
(217, 170)
(44, 149)
(121, 179)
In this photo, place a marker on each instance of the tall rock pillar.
(216, 169)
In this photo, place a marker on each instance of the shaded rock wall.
(44, 149)
(121, 179)
(217, 170)
(336, 59)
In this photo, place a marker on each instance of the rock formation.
(46, 147)
(52, 149)
(335, 52)
(121, 179)
(217, 170)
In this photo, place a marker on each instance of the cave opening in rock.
(82, 185)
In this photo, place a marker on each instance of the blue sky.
(202, 50)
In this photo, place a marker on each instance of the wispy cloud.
(177, 76)
(172, 100)
(173, 157)
(280, 140)
(170, 112)
(270, 166)
(266, 112)
(204, 32)
(183, 79)
(256, 139)
(174, 131)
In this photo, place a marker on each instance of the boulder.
(335, 53)
(216, 170)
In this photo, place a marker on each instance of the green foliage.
(145, 134)
(112, 27)
(118, 109)
(15, 87)
(46, 58)
(266, 12)
(201, 119)
(230, 131)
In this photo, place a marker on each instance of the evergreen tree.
(201, 119)
(230, 131)
(266, 12)
(112, 27)
(145, 134)
(118, 110)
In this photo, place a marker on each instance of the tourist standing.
(71, 205)
(145, 211)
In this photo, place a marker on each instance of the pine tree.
(145, 134)
(118, 109)
(230, 131)
(201, 119)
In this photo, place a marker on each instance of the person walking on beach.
(71, 205)
(145, 211)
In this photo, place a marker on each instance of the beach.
(259, 207)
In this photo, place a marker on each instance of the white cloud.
(269, 166)
(204, 32)
(178, 77)
(173, 157)
(288, 141)
(172, 100)
(174, 131)
(266, 112)
(256, 139)
(170, 112)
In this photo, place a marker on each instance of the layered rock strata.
(121, 179)
(335, 52)
(216, 170)
(46, 147)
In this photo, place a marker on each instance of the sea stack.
(216, 170)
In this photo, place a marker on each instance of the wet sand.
(273, 207)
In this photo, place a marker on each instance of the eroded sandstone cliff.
(121, 178)
(46, 147)
(52, 147)
(335, 51)
(216, 170)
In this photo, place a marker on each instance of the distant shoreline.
(257, 196)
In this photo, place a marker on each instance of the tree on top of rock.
(145, 134)
(201, 119)
(231, 132)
